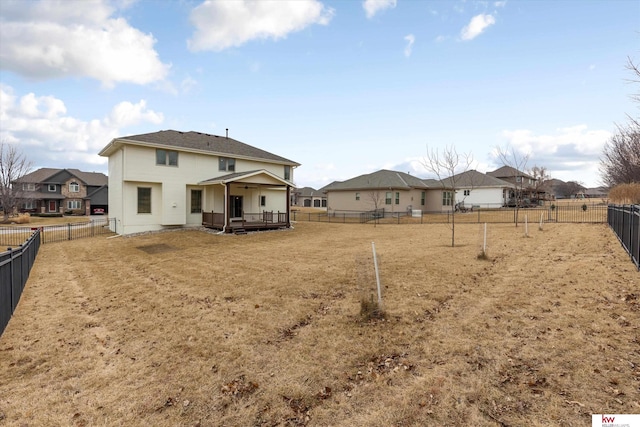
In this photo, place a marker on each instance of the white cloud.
(500, 3)
(572, 153)
(42, 39)
(372, 7)
(49, 137)
(408, 48)
(476, 26)
(223, 24)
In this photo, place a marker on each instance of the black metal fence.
(13, 236)
(624, 220)
(15, 265)
(586, 213)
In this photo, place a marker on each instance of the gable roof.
(382, 179)
(47, 175)
(196, 142)
(473, 178)
(508, 172)
(309, 192)
(239, 176)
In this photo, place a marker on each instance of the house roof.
(197, 142)
(240, 176)
(508, 172)
(48, 176)
(473, 178)
(382, 179)
(309, 192)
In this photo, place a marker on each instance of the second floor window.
(74, 187)
(227, 164)
(287, 172)
(28, 186)
(52, 187)
(357, 196)
(166, 157)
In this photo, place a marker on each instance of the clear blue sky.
(342, 87)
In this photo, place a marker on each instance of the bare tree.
(13, 166)
(541, 179)
(445, 165)
(620, 161)
(376, 198)
(570, 188)
(517, 161)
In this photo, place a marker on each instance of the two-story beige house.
(171, 179)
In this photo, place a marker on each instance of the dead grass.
(192, 328)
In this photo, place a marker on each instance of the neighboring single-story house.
(389, 190)
(309, 198)
(50, 190)
(171, 179)
(475, 188)
(526, 186)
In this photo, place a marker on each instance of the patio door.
(236, 207)
(52, 205)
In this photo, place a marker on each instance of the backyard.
(198, 329)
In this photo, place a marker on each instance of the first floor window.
(196, 201)
(397, 198)
(316, 203)
(74, 204)
(447, 198)
(467, 192)
(357, 196)
(324, 203)
(144, 200)
(387, 198)
(29, 205)
(422, 197)
(74, 187)
(263, 200)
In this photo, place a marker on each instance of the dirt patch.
(267, 332)
(157, 248)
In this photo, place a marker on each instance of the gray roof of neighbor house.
(48, 176)
(473, 178)
(309, 192)
(508, 172)
(382, 179)
(197, 141)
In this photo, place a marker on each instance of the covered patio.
(246, 201)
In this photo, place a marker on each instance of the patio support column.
(288, 205)
(227, 203)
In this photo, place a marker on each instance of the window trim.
(287, 172)
(263, 200)
(73, 185)
(423, 197)
(51, 188)
(196, 208)
(447, 198)
(140, 202)
(167, 157)
(397, 197)
(357, 195)
(28, 186)
(226, 164)
(388, 197)
(74, 204)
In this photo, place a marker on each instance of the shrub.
(625, 194)
(22, 219)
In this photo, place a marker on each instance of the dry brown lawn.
(192, 328)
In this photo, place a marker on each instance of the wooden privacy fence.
(15, 266)
(624, 220)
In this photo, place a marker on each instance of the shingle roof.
(380, 179)
(508, 172)
(45, 175)
(308, 192)
(202, 142)
(473, 178)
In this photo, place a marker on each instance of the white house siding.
(115, 191)
(483, 197)
(136, 222)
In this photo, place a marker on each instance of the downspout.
(288, 206)
(224, 227)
